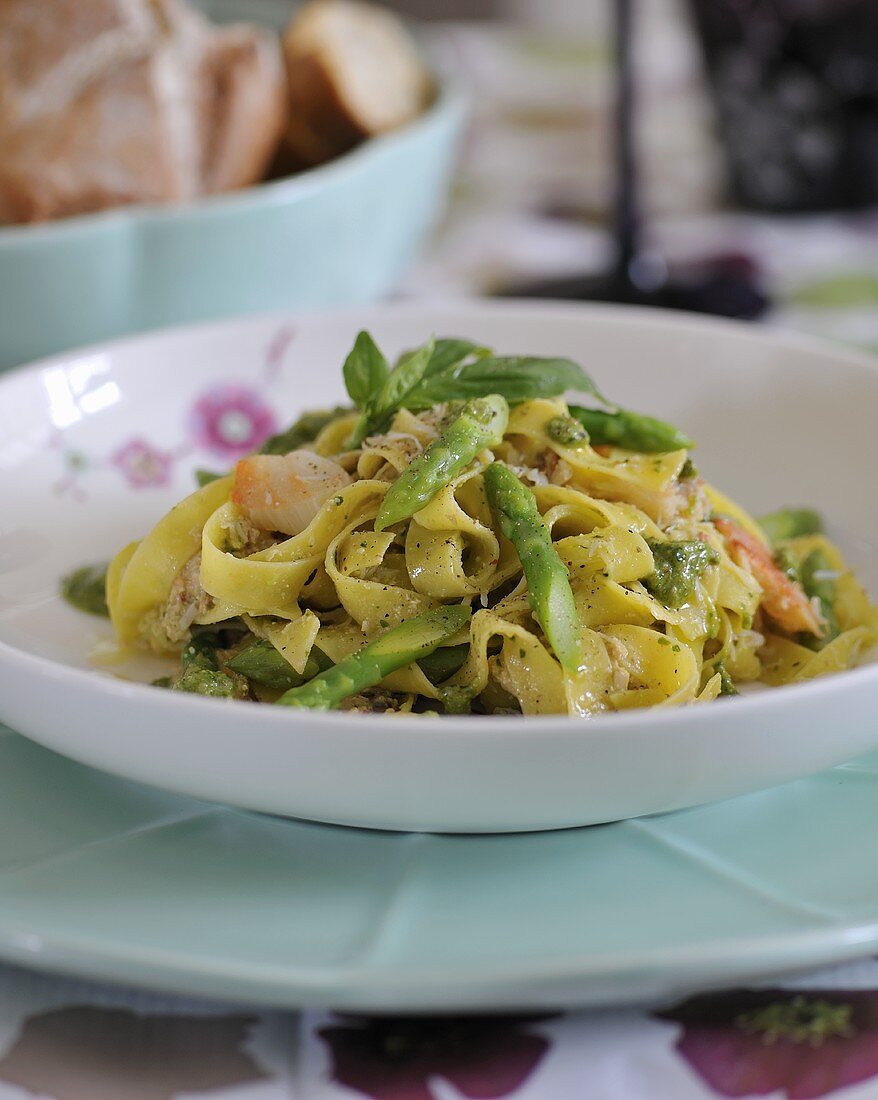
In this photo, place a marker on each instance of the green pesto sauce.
(566, 431)
(86, 589)
(678, 565)
(727, 684)
(205, 681)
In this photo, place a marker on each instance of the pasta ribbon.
(376, 601)
(293, 640)
(613, 535)
(452, 551)
(524, 667)
(661, 672)
(271, 581)
(142, 577)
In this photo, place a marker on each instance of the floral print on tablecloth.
(61, 1054)
(801, 1045)
(63, 1039)
(394, 1058)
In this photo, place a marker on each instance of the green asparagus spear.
(444, 662)
(400, 646)
(262, 663)
(818, 579)
(678, 565)
(86, 589)
(630, 430)
(480, 424)
(791, 523)
(551, 597)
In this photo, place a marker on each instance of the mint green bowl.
(339, 234)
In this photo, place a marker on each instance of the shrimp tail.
(783, 599)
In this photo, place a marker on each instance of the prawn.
(285, 492)
(782, 599)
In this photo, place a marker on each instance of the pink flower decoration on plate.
(771, 1042)
(388, 1058)
(231, 420)
(142, 465)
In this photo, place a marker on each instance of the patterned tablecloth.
(529, 200)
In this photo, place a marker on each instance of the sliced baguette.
(353, 71)
(122, 101)
(245, 107)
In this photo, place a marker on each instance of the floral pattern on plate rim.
(226, 421)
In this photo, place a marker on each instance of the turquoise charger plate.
(104, 878)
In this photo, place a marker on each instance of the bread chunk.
(353, 72)
(112, 102)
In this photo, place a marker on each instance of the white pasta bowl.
(97, 444)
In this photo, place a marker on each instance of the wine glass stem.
(626, 222)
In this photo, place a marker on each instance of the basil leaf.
(727, 684)
(450, 353)
(365, 370)
(393, 394)
(517, 378)
(453, 369)
(407, 373)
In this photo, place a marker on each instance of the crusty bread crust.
(108, 102)
(319, 125)
(352, 72)
(246, 109)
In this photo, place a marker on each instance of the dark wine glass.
(726, 286)
(795, 84)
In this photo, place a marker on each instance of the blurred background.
(717, 155)
(754, 148)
